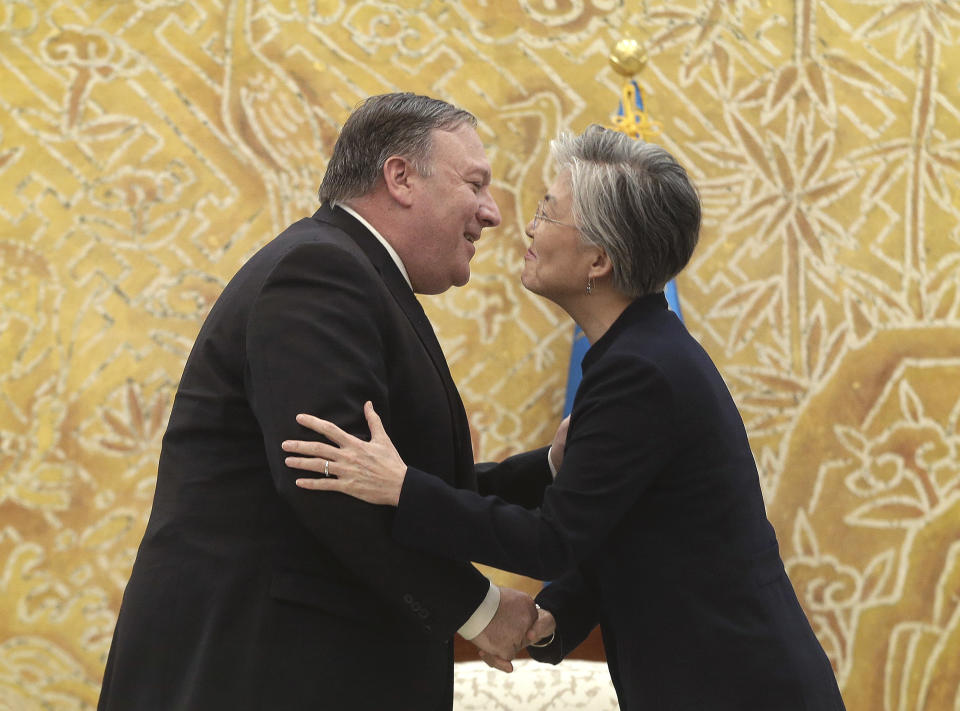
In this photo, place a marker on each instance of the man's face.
(452, 206)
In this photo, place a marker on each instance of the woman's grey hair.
(383, 126)
(633, 200)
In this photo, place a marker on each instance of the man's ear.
(398, 176)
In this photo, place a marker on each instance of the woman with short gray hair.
(654, 526)
(633, 200)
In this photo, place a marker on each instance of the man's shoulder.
(307, 249)
(311, 240)
(309, 231)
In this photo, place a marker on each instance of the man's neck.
(350, 207)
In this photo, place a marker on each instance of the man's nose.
(488, 213)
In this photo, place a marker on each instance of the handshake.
(517, 624)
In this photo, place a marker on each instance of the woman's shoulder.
(663, 350)
(661, 338)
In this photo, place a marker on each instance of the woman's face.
(558, 262)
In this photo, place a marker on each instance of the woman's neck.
(595, 313)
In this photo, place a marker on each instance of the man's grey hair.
(633, 200)
(399, 124)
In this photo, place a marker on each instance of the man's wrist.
(482, 615)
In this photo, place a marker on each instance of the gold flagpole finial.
(628, 58)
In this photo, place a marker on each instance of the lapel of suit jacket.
(405, 298)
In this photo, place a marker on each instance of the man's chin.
(462, 279)
(438, 288)
(526, 281)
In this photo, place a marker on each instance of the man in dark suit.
(249, 593)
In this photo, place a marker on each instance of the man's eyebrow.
(484, 173)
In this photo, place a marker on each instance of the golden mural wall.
(149, 147)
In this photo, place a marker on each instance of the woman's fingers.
(324, 427)
(544, 626)
(374, 423)
(320, 484)
(368, 470)
(312, 464)
(310, 449)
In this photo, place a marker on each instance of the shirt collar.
(380, 238)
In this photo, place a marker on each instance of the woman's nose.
(528, 230)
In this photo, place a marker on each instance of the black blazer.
(249, 593)
(655, 529)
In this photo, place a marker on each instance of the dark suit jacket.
(655, 529)
(249, 593)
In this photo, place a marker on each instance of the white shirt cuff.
(482, 615)
(553, 469)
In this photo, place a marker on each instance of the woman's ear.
(398, 176)
(601, 265)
